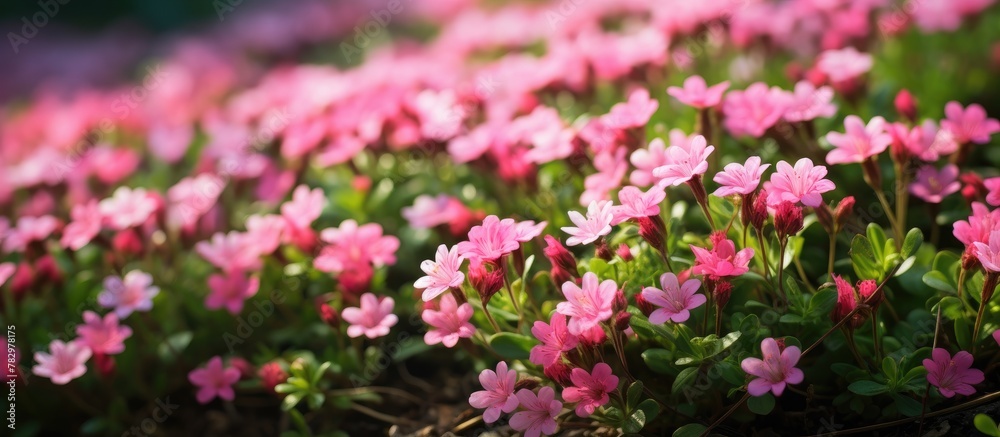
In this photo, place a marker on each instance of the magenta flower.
(214, 380)
(675, 300)
(232, 252)
(970, 124)
(993, 196)
(595, 225)
(230, 290)
(491, 240)
(305, 207)
(127, 208)
(645, 161)
(373, 319)
(539, 412)
(29, 229)
(64, 362)
(933, 185)
(85, 226)
(844, 64)
(587, 306)
(555, 339)
(633, 113)
(265, 231)
(192, 197)
(684, 163)
(134, 292)
(952, 375)
(527, 230)
(498, 394)
(738, 178)
(442, 273)
(351, 245)
(635, 204)
(697, 94)
(611, 168)
(989, 254)
(590, 390)
(859, 143)
(451, 322)
(808, 102)
(428, 212)
(722, 260)
(754, 111)
(776, 369)
(803, 183)
(103, 336)
(978, 226)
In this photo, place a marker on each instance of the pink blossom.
(590, 390)
(428, 212)
(952, 375)
(442, 274)
(29, 229)
(134, 292)
(112, 164)
(754, 111)
(232, 252)
(775, 370)
(926, 141)
(684, 163)
(527, 230)
(933, 185)
(103, 336)
(451, 322)
(634, 113)
(539, 412)
(63, 363)
(645, 160)
(723, 260)
(970, 124)
(265, 231)
(192, 197)
(860, 142)
(636, 204)
(555, 339)
(844, 64)
(214, 380)
(498, 394)
(491, 240)
(808, 102)
(978, 226)
(993, 185)
(804, 183)
(675, 300)
(697, 94)
(738, 178)
(85, 226)
(373, 319)
(230, 290)
(595, 225)
(989, 254)
(611, 168)
(351, 245)
(589, 305)
(545, 132)
(127, 208)
(440, 114)
(305, 207)
(341, 149)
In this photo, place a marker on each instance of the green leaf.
(658, 360)
(319, 372)
(986, 425)
(907, 406)
(939, 281)
(684, 379)
(791, 318)
(291, 400)
(690, 430)
(863, 258)
(911, 243)
(867, 388)
(173, 345)
(286, 388)
(761, 405)
(731, 373)
(889, 368)
(963, 333)
(512, 346)
(877, 238)
(635, 422)
(315, 400)
(633, 395)
(822, 302)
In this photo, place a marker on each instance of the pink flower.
(595, 225)
(498, 394)
(588, 306)
(85, 226)
(213, 381)
(740, 178)
(451, 322)
(844, 64)
(611, 168)
(933, 185)
(804, 183)
(110, 164)
(675, 300)
(926, 141)
(527, 230)
(440, 114)
(265, 232)
(305, 207)
(808, 103)
(952, 375)
(103, 336)
(127, 208)
(697, 94)
(645, 160)
(134, 292)
(442, 273)
(722, 260)
(539, 414)
(64, 362)
(989, 254)
(776, 369)
(969, 125)
(373, 319)
(428, 212)
(683, 163)
(351, 245)
(636, 204)
(192, 197)
(230, 290)
(555, 339)
(754, 111)
(993, 185)
(634, 113)
(491, 240)
(590, 390)
(978, 227)
(29, 229)
(859, 143)
(232, 252)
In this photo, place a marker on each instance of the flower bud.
(970, 261)
(717, 238)
(559, 373)
(105, 365)
(973, 188)
(528, 383)
(755, 209)
(868, 288)
(47, 269)
(619, 303)
(127, 242)
(721, 293)
(654, 231)
(23, 278)
(487, 278)
(787, 220)
(906, 106)
(246, 369)
(625, 252)
(621, 321)
(561, 258)
(844, 211)
(271, 374)
(847, 301)
(644, 306)
(329, 315)
(594, 337)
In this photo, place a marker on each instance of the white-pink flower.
(738, 178)
(373, 319)
(441, 274)
(684, 163)
(128, 208)
(589, 305)
(134, 292)
(675, 300)
(635, 204)
(844, 64)
(697, 94)
(63, 363)
(450, 322)
(595, 225)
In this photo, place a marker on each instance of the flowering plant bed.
(578, 218)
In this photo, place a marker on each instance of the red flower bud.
(487, 278)
(974, 189)
(594, 337)
(560, 258)
(246, 369)
(644, 305)
(47, 269)
(127, 242)
(906, 106)
(622, 321)
(105, 365)
(654, 231)
(721, 293)
(625, 252)
(603, 251)
(560, 374)
(847, 301)
(271, 374)
(754, 209)
(787, 220)
(866, 289)
(329, 315)
(844, 211)
(619, 303)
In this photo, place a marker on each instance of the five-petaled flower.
(590, 390)
(952, 374)
(775, 370)
(498, 395)
(373, 319)
(675, 300)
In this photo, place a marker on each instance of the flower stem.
(763, 253)
(489, 316)
(781, 270)
(833, 254)
(989, 284)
